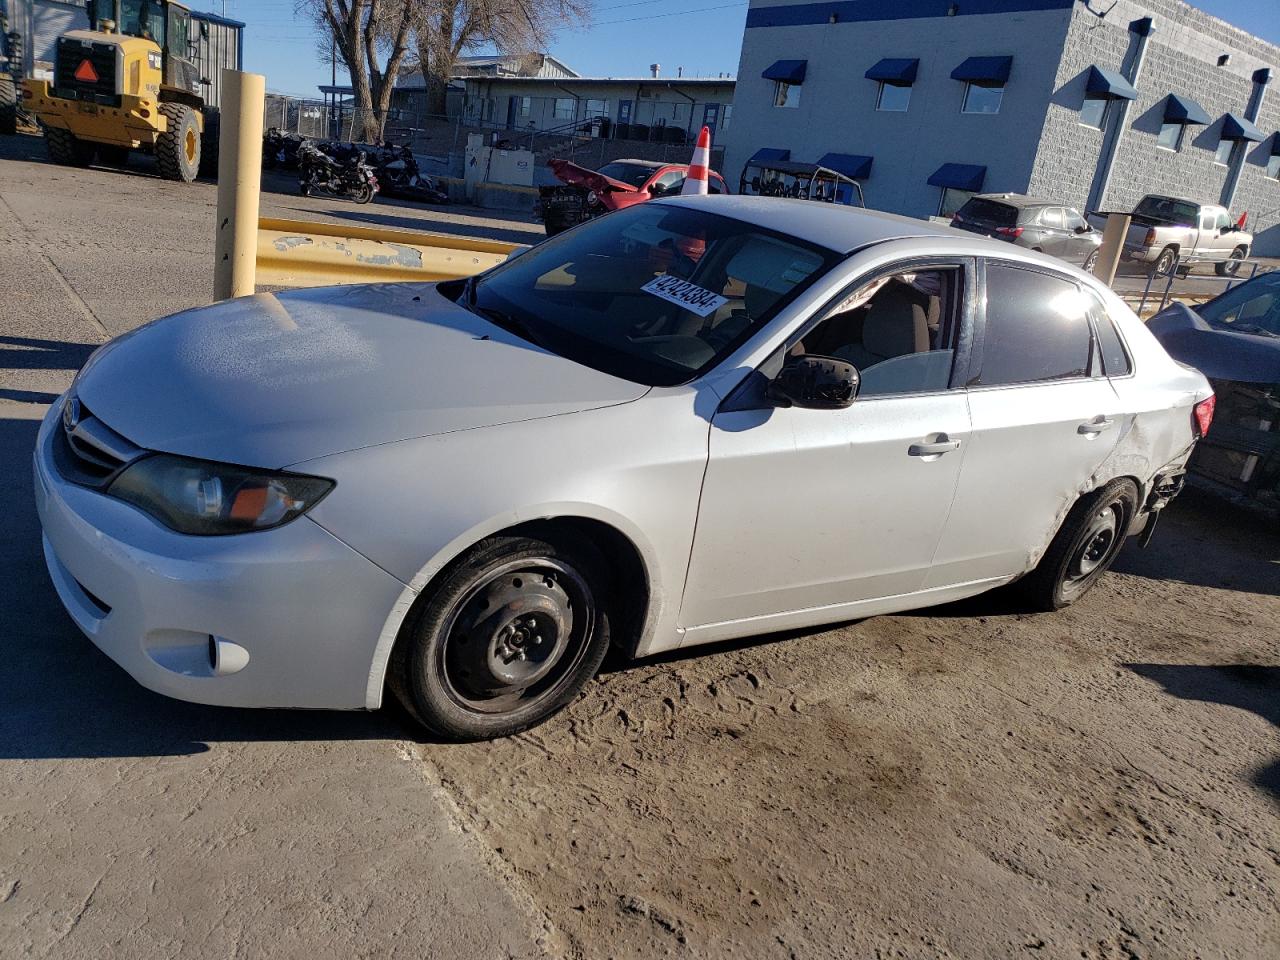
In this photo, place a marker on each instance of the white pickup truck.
(1166, 228)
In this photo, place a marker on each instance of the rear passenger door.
(1044, 420)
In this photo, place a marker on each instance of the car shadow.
(1245, 686)
(30, 353)
(62, 698)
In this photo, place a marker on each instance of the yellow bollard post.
(239, 184)
(1112, 243)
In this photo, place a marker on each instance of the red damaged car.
(583, 194)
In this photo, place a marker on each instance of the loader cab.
(168, 25)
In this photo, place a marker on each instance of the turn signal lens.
(1202, 415)
(207, 499)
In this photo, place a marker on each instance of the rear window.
(1167, 210)
(989, 211)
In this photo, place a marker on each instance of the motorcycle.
(280, 149)
(337, 172)
(398, 176)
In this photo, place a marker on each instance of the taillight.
(1013, 233)
(1150, 240)
(1202, 415)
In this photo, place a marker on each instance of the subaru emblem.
(71, 414)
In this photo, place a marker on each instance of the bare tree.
(372, 39)
(444, 29)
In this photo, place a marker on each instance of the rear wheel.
(509, 637)
(178, 148)
(1084, 547)
(364, 193)
(1166, 261)
(8, 105)
(1231, 266)
(67, 149)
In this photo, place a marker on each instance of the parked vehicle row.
(694, 419)
(336, 171)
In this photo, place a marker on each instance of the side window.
(667, 184)
(1206, 221)
(1052, 217)
(1037, 329)
(1115, 361)
(1074, 220)
(716, 185)
(898, 330)
(1221, 221)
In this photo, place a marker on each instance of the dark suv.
(1043, 225)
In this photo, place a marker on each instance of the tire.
(1165, 262)
(364, 193)
(1231, 266)
(65, 148)
(8, 105)
(1084, 547)
(507, 638)
(209, 144)
(1090, 262)
(113, 156)
(178, 148)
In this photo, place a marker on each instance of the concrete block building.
(1091, 102)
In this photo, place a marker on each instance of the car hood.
(1218, 354)
(275, 379)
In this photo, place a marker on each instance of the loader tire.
(67, 149)
(178, 148)
(8, 105)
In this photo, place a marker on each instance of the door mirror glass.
(820, 383)
(1084, 228)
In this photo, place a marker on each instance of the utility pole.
(333, 83)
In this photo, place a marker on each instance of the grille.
(72, 53)
(87, 451)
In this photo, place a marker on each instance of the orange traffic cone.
(695, 182)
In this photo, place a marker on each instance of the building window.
(893, 97)
(1223, 154)
(526, 106)
(1094, 112)
(725, 116)
(597, 108)
(786, 94)
(953, 200)
(1273, 167)
(1170, 136)
(982, 97)
(563, 109)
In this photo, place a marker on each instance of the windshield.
(1252, 307)
(654, 293)
(634, 174)
(1167, 210)
(138, 18)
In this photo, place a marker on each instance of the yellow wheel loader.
(133, 81)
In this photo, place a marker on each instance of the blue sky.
(703, 36)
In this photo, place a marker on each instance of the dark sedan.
(1234, 340)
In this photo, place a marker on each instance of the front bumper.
(136, 122)
(306, 608)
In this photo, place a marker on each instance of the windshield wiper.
(1252, 328)
(507, 322)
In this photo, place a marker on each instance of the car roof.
(832, 225)
(1020, 200)
(654, 164)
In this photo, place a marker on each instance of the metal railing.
(1183, 264)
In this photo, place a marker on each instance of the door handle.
(1091, 428)
(935, 448)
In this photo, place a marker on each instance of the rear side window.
(989, 211)
(1037, 329)
(1115, 361)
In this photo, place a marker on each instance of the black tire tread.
(435, 602)
(169, 144)
(66, 149)
(1039, 588)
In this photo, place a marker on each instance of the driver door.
(816, 510)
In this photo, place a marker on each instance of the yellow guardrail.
(296, 253)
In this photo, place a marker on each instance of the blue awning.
(1108, 83)
(984, 70)
(898, 72)
(788, 71)
(959, 176)
(1236, 127)
(769, 154)
(1184, 110)
(852, 166)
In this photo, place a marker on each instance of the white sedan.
(694, 419)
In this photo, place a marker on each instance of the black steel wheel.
(1231, 266)
(1084, 548)
(508, 637)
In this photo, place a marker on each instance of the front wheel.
(178, 148)
(509, 637)
(1084, 547)
(1090, 261)
(364, 193)
(1231, 266)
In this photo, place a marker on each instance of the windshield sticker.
(685, 294)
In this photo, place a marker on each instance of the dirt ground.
(971, 781)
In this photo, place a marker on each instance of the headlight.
(200, 497)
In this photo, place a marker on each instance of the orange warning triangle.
(85, 72)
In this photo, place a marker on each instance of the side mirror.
(820, 383)
(1084, 228)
